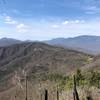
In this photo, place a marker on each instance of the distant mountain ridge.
(84, 43)
(8, 41)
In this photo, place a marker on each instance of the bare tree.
(26, 89)
(46, 94)
(75, 93)
(57, 93)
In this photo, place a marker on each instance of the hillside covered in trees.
(47, 67)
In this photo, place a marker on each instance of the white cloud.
(77, 21)
(19, 26)
(65, 22)
(72, 22)
(94, 9)
(9, 20)
(22, 28)
(55, 26)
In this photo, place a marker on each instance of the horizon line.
(50, 39)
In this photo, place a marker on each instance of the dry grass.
(36, 92)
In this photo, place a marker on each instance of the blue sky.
(47, 19)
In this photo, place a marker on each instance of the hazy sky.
(47, 19)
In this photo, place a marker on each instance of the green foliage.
(69, 83)
(59, 80)
(79, 77)
(94, 78)
(88, 78)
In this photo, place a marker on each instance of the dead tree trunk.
(26, 89)
(57, 95)
(46, 94)
(75, 93)
(89, 98)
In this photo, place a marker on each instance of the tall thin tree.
(75, 93)
(46, 94)
(26, 89)
(57, 93)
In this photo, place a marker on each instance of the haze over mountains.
(86, 43)
(8, 41)
(90, 44)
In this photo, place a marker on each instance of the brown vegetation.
(40, 61)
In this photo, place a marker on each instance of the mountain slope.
(94, 65)
(82, 43)
(8, 41)
(37, 58)
(40, 62)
